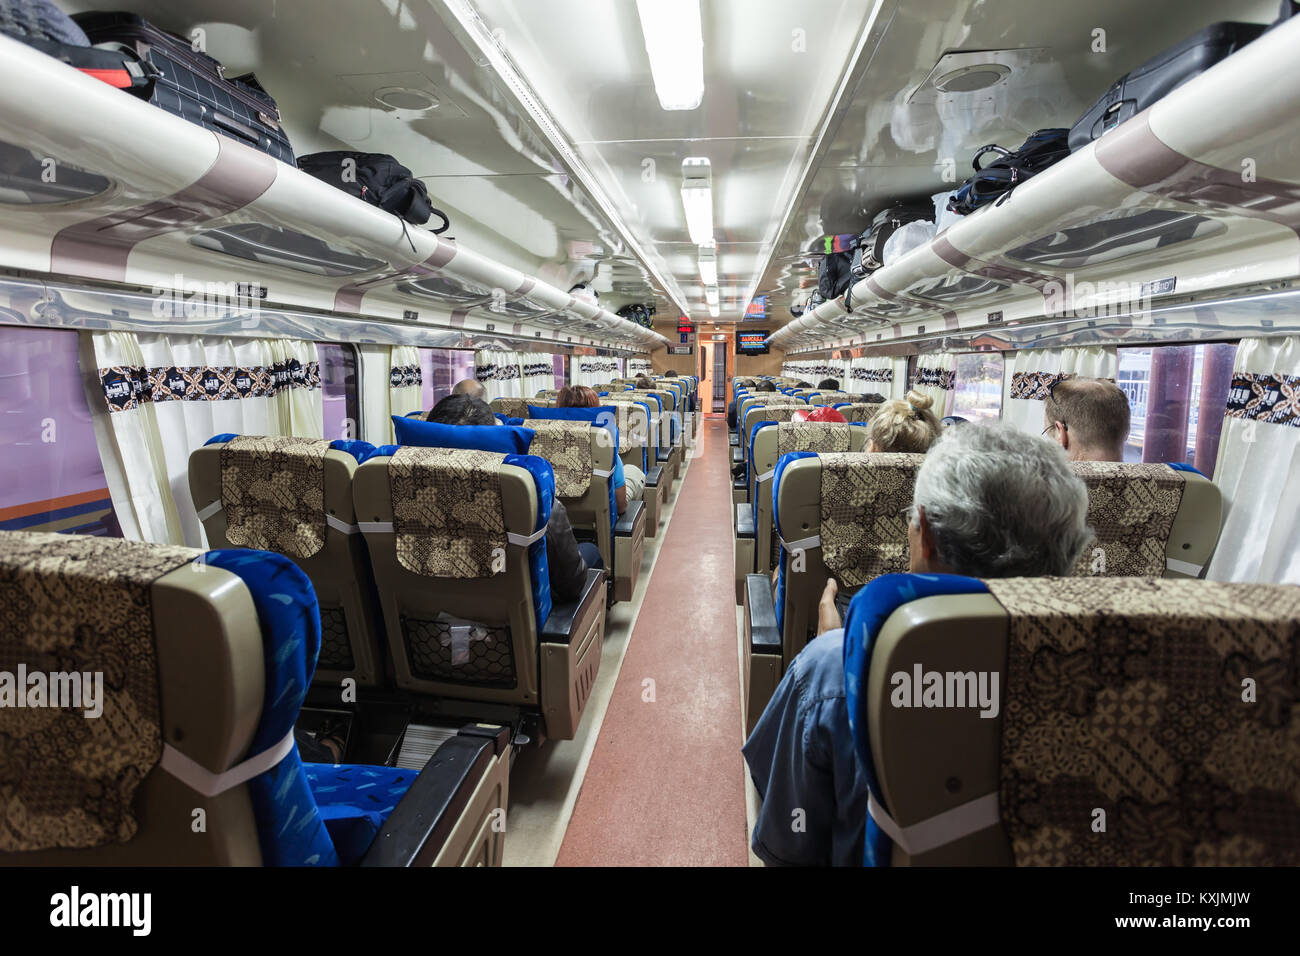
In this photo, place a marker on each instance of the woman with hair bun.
(906, 426)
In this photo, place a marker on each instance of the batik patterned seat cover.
(1131, 509)
(441, 530)
(73, 604)
(1151, 722)
(863, 520)
(567, 446)
(273, 493)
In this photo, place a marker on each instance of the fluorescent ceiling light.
(674, 42)
(697, 198)
(709, 263)
(711, 294)
(713, 310)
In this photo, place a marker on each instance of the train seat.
(456, 539)
(1126, 729)
(551, 393)
(582, 455)
(210, 656)
(756, 544)
(1149, 520)
(749, 421)
(836, 515)
(510, 407)
(645, 430)
(670, 429)
(294, 496)
(857, 411)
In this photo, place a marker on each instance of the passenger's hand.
(828, 617)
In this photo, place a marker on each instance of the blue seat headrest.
(498, 438)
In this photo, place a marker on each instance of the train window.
(978, 386)
(338, 376)
(27, 178)
(446, 367)
(1114, 237)
(276, 246)
(1177, 394)
(50, 475)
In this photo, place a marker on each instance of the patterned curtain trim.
(538, 368)
(1035, 386)
(496, 373)
(128, 387)
(936, 378)
(1265, 397)
(404, 376)
(884, 376)
(596, 366)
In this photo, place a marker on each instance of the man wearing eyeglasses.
(1088, 417)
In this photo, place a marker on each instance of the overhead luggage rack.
(206, 209)
(1194, 199)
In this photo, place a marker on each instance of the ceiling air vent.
(973, 71)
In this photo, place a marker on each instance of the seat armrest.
(737, 454)
(764, 635)
(654, 474)
(733, 438)
(626, 523)
(420, 824)
(740, 484)
(662, 454)
(558, 628)
(744, 521)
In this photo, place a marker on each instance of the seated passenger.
(471, 387)
(567, 559)
(906, 426)
(1088, 417)
(644, 382)
(629, 480)
(872, 398)
(828, 385)
(990, 502)
(803, 385)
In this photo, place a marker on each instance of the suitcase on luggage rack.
(43, 26)
(1159, 76)
(194, 86)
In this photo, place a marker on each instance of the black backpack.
(1039, 151)
(377, 178)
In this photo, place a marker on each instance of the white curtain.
(405, 381)
(157, 397)
(1258, 468)
(591, 370)
(881, 374)
(390, 385)
(500, 372)
(1035, 370)
(538, 369)
(935, 376)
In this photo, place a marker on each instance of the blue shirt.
(801, 758)
(619, 480)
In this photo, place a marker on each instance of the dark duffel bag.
(377, 178)
(43, 26)
(194, 86)
(1161, 75)
(870, 252)
(1039, 151)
